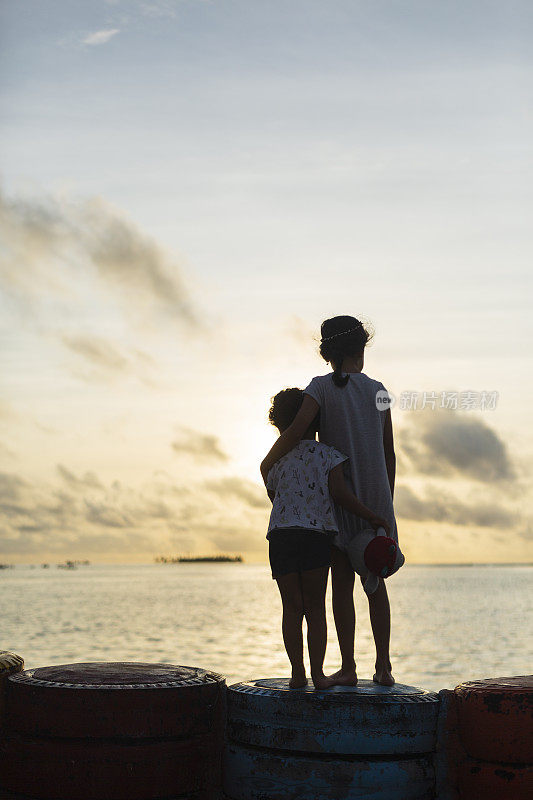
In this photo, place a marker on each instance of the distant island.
(198, 559)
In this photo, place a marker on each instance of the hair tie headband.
(342, 333)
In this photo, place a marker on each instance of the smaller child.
(302, 523)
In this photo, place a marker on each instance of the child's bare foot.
(322, 681)
(344, 677)
(298, 680)
(383, 675)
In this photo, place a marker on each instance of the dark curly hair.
(342, 336)
(285, 406)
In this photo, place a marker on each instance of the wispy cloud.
(87, 481)
(235, 487)
(100, 37)
(105, 360)
(52, 245)
(158, 8)
(98, 351)
(202, 446)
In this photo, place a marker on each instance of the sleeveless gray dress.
(351, 422)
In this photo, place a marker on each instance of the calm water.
(449, 624)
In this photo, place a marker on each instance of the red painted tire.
(5, 795)
(127, 770)
(102, 699)
(482, 780)
(113, 731)
(495, 719)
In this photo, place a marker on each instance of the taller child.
(353, 422)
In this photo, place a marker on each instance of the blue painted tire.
(255, 774)
(366, 719)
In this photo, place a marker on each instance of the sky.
(187, 189)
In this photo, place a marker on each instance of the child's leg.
(293, 612)
(314, 583)
(342, 581)
(379, 607)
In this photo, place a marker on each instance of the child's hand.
(379, 522)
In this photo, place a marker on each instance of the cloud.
(62, 250)
(301, 332)
(97, 350)
(134, 262)
(106, 360)
(438, 506)
(11, 487)
(83, 516)
(247, 491)
(449, 443)
(158, 8)
(88, 481)
(106, 515)
(202, 446)
(100, 37)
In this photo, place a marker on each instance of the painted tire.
(128, 770)
(102, 699)
(255, 774)
(482, 780)
(495, 719)
(119, 731)
(366, 719)
(9, 664)
(5, 795)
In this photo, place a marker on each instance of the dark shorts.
(298, 550)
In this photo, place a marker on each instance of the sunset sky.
(187, 189)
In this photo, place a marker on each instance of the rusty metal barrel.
(113, 731)
(495, 727)
(350, 742)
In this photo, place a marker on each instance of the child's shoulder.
(304, 449)
(323, 453)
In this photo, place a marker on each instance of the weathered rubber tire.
(128, 770)
(367, 719)
(482, 780)
(5, 795)
(9, 664)
(125, 699)
(257, 774)
(495, 719)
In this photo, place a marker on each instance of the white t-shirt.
(300, 483)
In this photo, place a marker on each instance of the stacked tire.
(495, 723)
(113, 731)
(366, 741)
(10, 663)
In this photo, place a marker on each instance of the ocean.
(449, 623)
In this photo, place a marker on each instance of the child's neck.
(351, 364)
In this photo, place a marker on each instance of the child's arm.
(342, 495)
(292, 435)
(388, 447)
